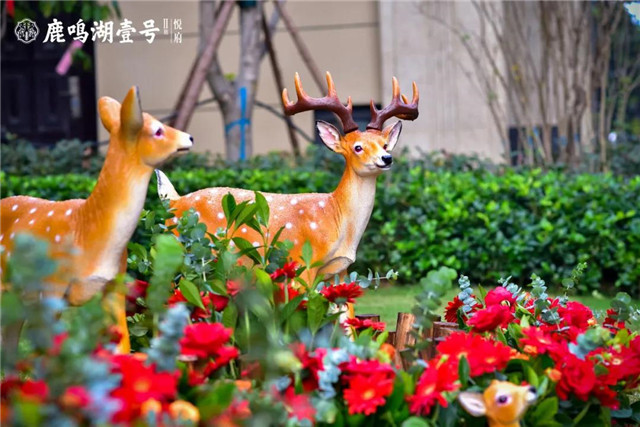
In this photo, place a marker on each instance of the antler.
(331, 102)
(398, 108)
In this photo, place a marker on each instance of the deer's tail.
(166, 191)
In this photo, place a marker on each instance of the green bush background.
(460, 213)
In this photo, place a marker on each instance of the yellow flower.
(181, 409)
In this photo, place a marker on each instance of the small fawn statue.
(333, 223)
(98, 228)
(503, 403)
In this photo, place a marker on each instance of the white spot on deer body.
(68, 212)
(48, 228)
(175, 220)
(289, 226)
(256, 244)
(16, 221)
(32, 221)
(197, 198)
(300, 211)
(57, 238)
(269, 198)
(232, 244)
(220, 215)
(313, 225)
(198, 214)
(50, 213)
(32, 210)
(12, 235)
(1, 237)
(244, 229)
(321, 203)
(14, 207)
(281, 208)
(294, 201)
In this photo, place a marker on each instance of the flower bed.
(219, 340)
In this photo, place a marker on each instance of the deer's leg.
(115, 304)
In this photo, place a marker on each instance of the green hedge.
(483, 224)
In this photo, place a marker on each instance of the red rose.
(204, 340)
(578, 377)
(576, 315)
(499, 295)
(490, 318)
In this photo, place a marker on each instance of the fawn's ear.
(329, 135)
(109, 111)
(473, 403)
(131, 120)
(392, 133)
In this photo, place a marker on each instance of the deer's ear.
(473, 403)
(392, 133)
(131, 120)
(109, 111)
(329, 135)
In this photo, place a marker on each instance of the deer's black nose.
(387, 159)
(190, 138)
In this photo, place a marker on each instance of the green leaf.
(290, 307)
(415, 422)
(247, 249)
(230, 315)
(307, 253)
(264, 283)
(191, 293)
(262, 212)
(316, 310)
(12, 308)
(228, 206)
(544, 411)
(216, 400)
(168, 258)
(463, 371)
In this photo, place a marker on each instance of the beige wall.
(417, 45)
(352, 54)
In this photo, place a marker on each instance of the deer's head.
(139, 135)
(367, 153)
(503, 403)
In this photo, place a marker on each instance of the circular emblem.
(26, 31)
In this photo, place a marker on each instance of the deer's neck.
(110, 214)
(353, 199)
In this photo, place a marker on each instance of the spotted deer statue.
(334, 222)
(503, 403)
(89, 237)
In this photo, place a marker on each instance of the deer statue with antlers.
(89, 237)
(334, 222)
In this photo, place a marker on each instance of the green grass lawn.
(387, 301)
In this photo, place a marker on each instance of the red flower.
(280, 296)
(58, 342)
(139, 383)
(365, 393)
(437, 378)
(578, 377)
(204, 340)
(136, 289)
(483, 355)
(451, 312)
(288, 270)
(612, 322)
(209, 301)
(538, 341)
(75, 397)
(488, 319)
(499, 296)
(311, 365)
(576, 315)
(360, 324)
(299, 406)
(342, 293)
(37, 391)
(233, 287)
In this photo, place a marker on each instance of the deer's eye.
(358, 148)
(159, 132)
(502, 400)
(385, 146)
(157, 129)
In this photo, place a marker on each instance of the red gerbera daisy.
(437, 378)
(342, 293)
(484, 355)
(288, 270)
(360, 324)
(366, 393)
